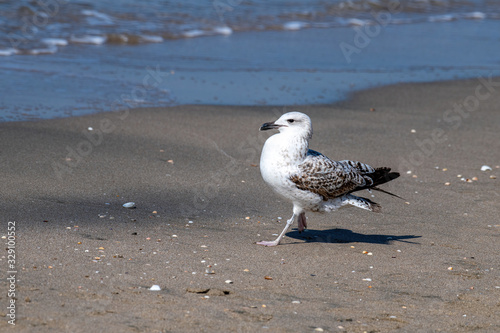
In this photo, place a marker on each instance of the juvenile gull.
(309, 179)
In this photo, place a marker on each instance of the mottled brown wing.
(330, 179)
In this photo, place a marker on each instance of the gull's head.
(292, 122)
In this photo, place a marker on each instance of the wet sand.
(84, 263)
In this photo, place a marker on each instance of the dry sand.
(84, 263)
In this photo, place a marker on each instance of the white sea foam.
(475, 16)
(96, 40)
(442, 18)
(223, 30)
(294, 25)
(55, 41)
(48, 50)
(151, 39)
(8, 52)
(357, 22)
(97, 18)
(194, 33)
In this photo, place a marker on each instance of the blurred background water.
(62, 58)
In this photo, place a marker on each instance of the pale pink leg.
(302, 222)
(277, 240)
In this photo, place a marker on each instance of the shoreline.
(84, 261)
(252, 68)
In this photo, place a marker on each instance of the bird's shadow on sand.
(347, 236)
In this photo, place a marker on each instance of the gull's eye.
(290, 121)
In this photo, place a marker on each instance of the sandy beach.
(84, 263)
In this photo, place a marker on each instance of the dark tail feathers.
(382, 176)
(379, 177)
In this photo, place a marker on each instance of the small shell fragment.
(155, 287)
(129, 205)
(268, 277)
(493, 177)
(228, 282)
(486, 168)
(447, 184)
(450, 268)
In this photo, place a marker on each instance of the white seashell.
(228, 281)
(129, 205)
(155, 287)
(486, 168)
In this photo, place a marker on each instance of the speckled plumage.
(309, 179)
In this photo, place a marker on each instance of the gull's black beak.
(268, 126)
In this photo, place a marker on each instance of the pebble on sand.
(129, 205)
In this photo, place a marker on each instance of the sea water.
(63, 58)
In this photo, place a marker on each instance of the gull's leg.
(277, 240)
(302, 221)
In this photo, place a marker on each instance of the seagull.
(309, 179)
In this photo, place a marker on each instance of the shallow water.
(43, 26)
(264, 53)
